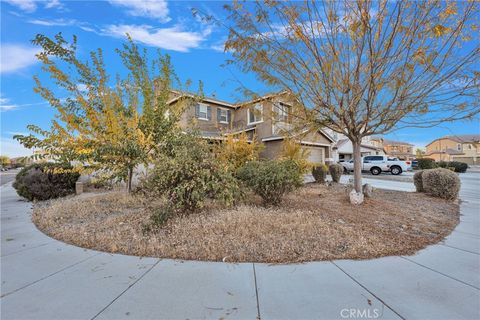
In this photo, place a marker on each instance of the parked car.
(379, 164)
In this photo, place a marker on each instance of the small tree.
(105, 125)
(418, 153)
(4, 161)
(363, 68)
(236, 150)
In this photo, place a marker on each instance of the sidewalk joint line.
(446, 245)
(443, 274)
(256, 291)
(48, 276)
(374, 295)
(121, 293)
(26, 249)
(467, 233)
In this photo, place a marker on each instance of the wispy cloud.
(31, 5)
(157, 9)
(16, 57)
(54, 22)
(173, 38)
(7, 105)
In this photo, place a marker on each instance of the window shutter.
(209, 113)
(218, 115)
(197, 110)
(229, 115)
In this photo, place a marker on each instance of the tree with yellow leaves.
(363, 68)
(105, 125)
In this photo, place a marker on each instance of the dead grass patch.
(315, 223)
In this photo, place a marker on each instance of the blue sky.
(196, 49)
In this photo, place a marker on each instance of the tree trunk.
(357, 166)
(129, 180)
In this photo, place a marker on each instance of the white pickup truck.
(379, 164)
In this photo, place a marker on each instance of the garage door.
(467, 160)
(315, 154)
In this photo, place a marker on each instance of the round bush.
(336, 171)
(271, 179)
(319, 173)
(418, 181)
(43, 181)
(441, 183)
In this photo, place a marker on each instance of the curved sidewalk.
(46, 279)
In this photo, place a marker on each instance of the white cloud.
(55, 22)
(166, 38)
(16, 57)
(12, 148)
(24, 5)
(147, 8)
(31, 5)
(7, 107)
(53, 4)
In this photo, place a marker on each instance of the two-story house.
(343, 148)
(463, 148)
(267, 119)
(399, 149)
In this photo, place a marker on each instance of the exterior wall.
(272, 149)
(441, 145)
(188, 119)
(439, 157)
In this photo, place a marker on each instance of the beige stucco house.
(266, 119)
(463, 148)
(399, 149)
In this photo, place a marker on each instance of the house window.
(469, 147)
(281, 112)
(459, 147)
(202, 111)
(223, 115)
(255, 114)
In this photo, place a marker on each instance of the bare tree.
(363, 67)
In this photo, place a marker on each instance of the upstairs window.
(459, 147)
(223, 115)
(281, 111)
(255, 114)
(203, 112)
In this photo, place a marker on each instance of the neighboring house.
(343, 148)
(399, 149)
(267, 119)
(463, 148)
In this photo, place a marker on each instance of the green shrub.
(189, 175)
(441, 183)
(458, 166)
(43, 181)
(442, 164)
(336, 171)
(272, 179)
(426, 163)
(418, 181)
(319, 173)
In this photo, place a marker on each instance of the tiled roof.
(460, 138)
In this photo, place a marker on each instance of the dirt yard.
(314, 223)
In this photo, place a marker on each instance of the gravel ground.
(314, 223)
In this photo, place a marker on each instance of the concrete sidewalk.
(46, 279)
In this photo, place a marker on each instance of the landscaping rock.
(356, 198)
(367, 190)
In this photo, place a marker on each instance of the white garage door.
(315, 154)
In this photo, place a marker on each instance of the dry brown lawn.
(314, 223)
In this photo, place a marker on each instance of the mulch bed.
(316, 222)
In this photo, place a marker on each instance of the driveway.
(46, 279)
